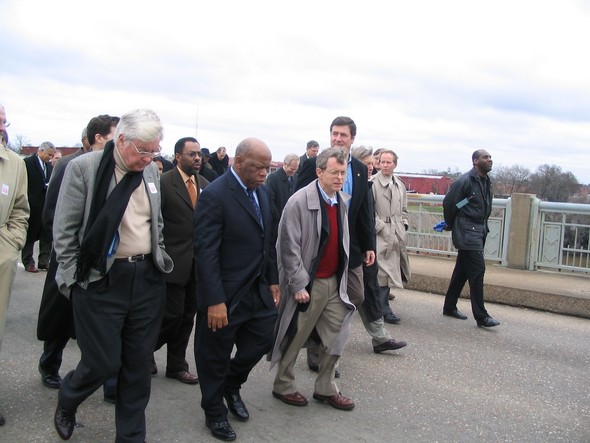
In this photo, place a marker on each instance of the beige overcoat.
(391, 220)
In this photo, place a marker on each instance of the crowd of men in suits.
(267, 264)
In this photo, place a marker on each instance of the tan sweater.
(135, 228)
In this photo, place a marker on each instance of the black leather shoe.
(52, 381)
(389, 345)
(455, 313)
(236, 406)
(391, 318)
(487, 322)
(64, 422)
(221, 430)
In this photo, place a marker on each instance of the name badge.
(152, 188)
(4, 189)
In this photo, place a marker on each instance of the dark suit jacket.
(278, 186)
(360, 221)
(301, 161)
(178, 214)
(57, 176)
(232, 250)
(37, 189)
(56, 319)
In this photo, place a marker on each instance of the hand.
(276, 294)
(217, 316)
(301, 296)
(369, 258)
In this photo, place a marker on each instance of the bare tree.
(550, 183)
(451, 173)
(18, 142)
(509, 180)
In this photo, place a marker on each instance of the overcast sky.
(433, 80)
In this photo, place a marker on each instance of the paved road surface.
(525, 381)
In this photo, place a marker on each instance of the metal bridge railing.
(559, 241)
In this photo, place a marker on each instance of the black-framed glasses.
(145, 154)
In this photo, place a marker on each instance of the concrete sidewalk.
(548, 291)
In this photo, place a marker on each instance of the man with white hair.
(109, 246)
(39, 170)
(14, 212)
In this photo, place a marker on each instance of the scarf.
(106, 212)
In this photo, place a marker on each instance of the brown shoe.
(337, 401)
(184, 377)
(294, 399)
(31, 268)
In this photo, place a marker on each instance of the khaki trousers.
(326, 313)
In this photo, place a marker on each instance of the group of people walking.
(136, 255)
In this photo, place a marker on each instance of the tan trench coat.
(391, 219)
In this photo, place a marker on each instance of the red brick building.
(426, 184)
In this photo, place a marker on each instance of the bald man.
(238, 283)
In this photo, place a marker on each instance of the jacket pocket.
(473, 234)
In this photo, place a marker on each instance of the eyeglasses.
(337, 173)
(193, 154)
(5, 123)
(146, 154)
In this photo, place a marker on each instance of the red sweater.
(328, 264)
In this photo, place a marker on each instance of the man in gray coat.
(109, 247)
(312, 253)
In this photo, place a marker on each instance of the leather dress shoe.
(31, 268)
(184, 377)
(43, 266)
(64, 422)
(50, 380)
(337, 401)
(391, 318)
(455, 313)
(294, 399)
(221, 430)
(236, 406)
(487, 322)
(389, 345)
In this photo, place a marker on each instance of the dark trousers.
(470, 266)
(250, 328)
(51, 358)
(44, 251)
(55, 327)
(178, 322)
(117, 323)
(384, 299)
